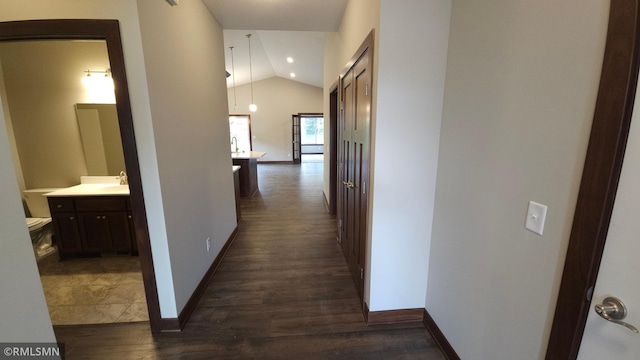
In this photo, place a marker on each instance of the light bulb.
(253, 107)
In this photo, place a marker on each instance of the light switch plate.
(536, 215)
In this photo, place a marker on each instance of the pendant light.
(233, 79)
(253, 106)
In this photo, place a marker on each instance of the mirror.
(101, 141)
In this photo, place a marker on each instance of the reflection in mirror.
(101, 141)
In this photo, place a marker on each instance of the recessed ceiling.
(280, 29)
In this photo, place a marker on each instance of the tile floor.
(99, 290)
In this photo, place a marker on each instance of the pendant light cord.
(233, 71)
(250, 67)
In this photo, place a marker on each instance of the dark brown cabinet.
(65, 226)
(248, 174)
(92, 224)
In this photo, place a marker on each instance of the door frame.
(599, 183)
(307, 115)
(333, 149)
(108, 30)
(296, 134)
(366, 48)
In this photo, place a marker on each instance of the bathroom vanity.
(248, 172)
(92, 218)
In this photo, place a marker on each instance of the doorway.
(307, 132)
(354, 133)
(109, 31)
(65, 128)
(600, 177)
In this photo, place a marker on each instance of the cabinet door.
(106, 231)
(119, 231)
(66, 228)
(95, 231)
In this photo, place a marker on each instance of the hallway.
(282, 291)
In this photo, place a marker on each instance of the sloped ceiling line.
(284, 28)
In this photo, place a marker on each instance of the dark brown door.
(297, 141)
(354, 165)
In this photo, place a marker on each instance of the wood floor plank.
(283, 291)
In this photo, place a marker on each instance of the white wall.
(184, 58)
(409, 67)
(277, 99)
(520, 91)
(410, 85)
(360, 17)
(24, 315)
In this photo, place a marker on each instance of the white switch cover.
(536, 215)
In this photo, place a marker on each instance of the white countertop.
(248, 155)
(92, 190)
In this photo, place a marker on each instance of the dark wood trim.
(190, 306)
(108, 30)
(367, 44)
(326, 202)
(296, 140)
(601, 173)
(365, 49)
(169, 325)
(439, 338)
(275, 162)
(333, 149)
(365, 312)
(393, 316)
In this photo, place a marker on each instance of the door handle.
(348, 184)
(613, 309)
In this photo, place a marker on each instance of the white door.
(619, 274)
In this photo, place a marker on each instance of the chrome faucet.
(124, 179)
(234, 141)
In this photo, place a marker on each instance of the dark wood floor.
(282, 292)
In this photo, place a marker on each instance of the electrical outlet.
(208, 241)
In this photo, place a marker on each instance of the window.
(240, 133)
(312, 130)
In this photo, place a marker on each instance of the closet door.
(354, 159)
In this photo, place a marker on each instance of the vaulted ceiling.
(279, 29)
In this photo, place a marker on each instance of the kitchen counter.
(248, 173)
(248, 155)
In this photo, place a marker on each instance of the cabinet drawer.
(59, 204)
(101, 203)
